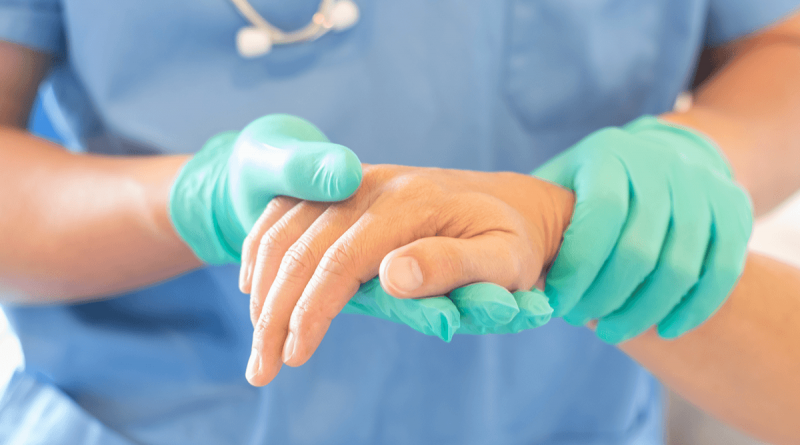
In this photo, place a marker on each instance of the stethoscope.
(259, 38)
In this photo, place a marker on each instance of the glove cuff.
(707, 153)
(198, 198)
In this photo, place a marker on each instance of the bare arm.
(742, 364)
(76, 226)
(751, 108)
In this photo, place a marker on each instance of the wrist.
(229, 229)
(562, 203)
(160, 194)
(197, 199)
(547, 208)
(693, 145)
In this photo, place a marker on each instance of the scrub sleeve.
(36, 24)
(729, 20)
(33, 411)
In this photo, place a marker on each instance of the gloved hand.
(480, 308)
(659, 232)
(487, 308)
(220, 193)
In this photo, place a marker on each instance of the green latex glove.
(480, 308)
(659, 232)
(222, 190)
(220, 193)
(487, 308)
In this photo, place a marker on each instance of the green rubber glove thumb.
(220, 193)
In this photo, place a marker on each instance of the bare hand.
(425, 231)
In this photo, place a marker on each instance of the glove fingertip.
(485, 305)
(555, 302)
(575, 320)
(344, 170)
(441, 318)
(443, 326)
(535, 311)
(534, 302)
(670, 329)
(610, 335)
(322, 171)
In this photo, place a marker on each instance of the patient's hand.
(426, 231)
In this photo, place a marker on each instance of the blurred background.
(776, 234)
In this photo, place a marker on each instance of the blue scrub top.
(470, 84)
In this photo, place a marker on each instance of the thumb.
(436, 265)
(285, 155)
(304, 164)
(321, 171)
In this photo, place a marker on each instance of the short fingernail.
(288, 347)
(253, 365)
(404, 274)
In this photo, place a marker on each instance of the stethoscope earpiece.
(252, 41)
(344, 15)
(258, 38)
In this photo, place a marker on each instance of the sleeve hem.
(38, 29)
(727, 24)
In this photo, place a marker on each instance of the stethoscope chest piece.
(260, 36)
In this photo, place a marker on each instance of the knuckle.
(414, 184)
(338, 261)
(374, 175)
(296, 261)
(274, 237)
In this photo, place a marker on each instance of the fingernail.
(253, 365)
(404, 274)
(288, 347)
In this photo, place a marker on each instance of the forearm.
(742, 364)
(751, 108)
(77, 227)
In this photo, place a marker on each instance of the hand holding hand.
(426, 231)
(221, 191)
(659, 235)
